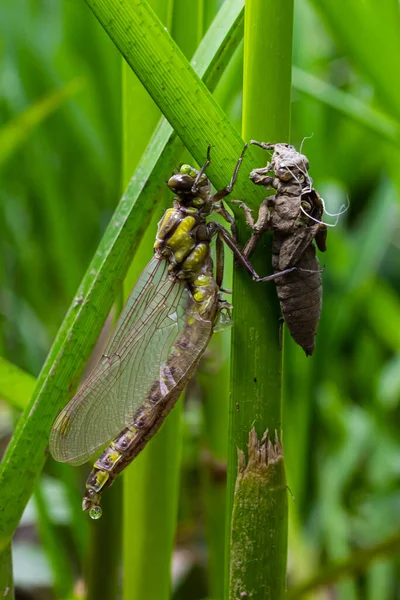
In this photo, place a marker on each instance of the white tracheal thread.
(307, 190)
(307, 137)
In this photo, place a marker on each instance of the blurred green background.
(60, 182)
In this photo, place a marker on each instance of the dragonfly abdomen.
(146, 422)
(300, 295)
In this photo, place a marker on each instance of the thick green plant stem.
(256, 354)
(6, 574)
(259, 511)
(26, 453)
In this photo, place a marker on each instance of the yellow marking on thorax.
(167, 223)
(202, 280)
(196, 258)
(166, 217)
(181, 231)
(181, 243)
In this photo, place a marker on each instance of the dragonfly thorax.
(191, 189)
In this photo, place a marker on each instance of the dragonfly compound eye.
(188, 170)
(180, 183)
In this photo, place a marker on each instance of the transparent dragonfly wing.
(159, 326)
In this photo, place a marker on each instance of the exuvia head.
(191, 187)
(288, 164)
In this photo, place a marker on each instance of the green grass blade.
(103, 562)
(139, 112)
(16, 386)
(15, 133)
(152, 524)
(347, 104)
(259, 503)
(173, 85)
(353, 565)
(378, 60)
(187, 32)
(6, 574)
(214, 379)
(63, 577)
(25, 454)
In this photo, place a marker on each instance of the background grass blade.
(60, 566)
(372, 59)
(6, 574)
(16, 386)
(14, 134)
(347, 104)
(356, 563)
(102, 571)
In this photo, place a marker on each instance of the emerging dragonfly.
(158, 341)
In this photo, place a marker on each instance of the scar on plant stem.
(261, 454)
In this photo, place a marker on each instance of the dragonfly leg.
(263, 145)
(220, 209)
(219, 269)
(242, 259)
(260, 226)
(227, 190)
(217, 199)
(261, 177)
(200, 174)
(247, 212)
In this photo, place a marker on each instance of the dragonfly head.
(191, 190)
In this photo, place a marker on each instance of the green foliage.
(59, 189)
